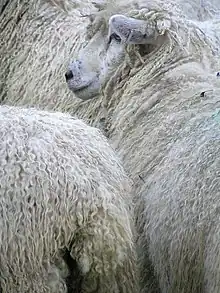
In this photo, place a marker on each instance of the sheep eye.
(114, 36)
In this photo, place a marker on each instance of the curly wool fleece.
(62, 188)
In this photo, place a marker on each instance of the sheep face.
(103, 54)
(97, 60)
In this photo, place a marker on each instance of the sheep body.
(62, 191)
(162, 117)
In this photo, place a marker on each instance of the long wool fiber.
(161, 116)
(37, 40)
(62, 189)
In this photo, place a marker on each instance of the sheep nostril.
(68, 75)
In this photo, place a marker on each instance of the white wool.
(162, 118)
(37, 38)
(62, 190)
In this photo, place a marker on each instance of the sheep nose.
(68, 75)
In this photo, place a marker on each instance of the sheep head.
(96, 61)
(105, 50)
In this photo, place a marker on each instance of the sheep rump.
(62, 190)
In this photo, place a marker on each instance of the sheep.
(65, 207)
(157, 104)
(157, 97)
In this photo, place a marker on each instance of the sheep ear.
(136, 31)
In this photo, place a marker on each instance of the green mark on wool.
(216, 115)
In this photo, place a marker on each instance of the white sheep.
(65, 207)
(160, 112)
(156, 71)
